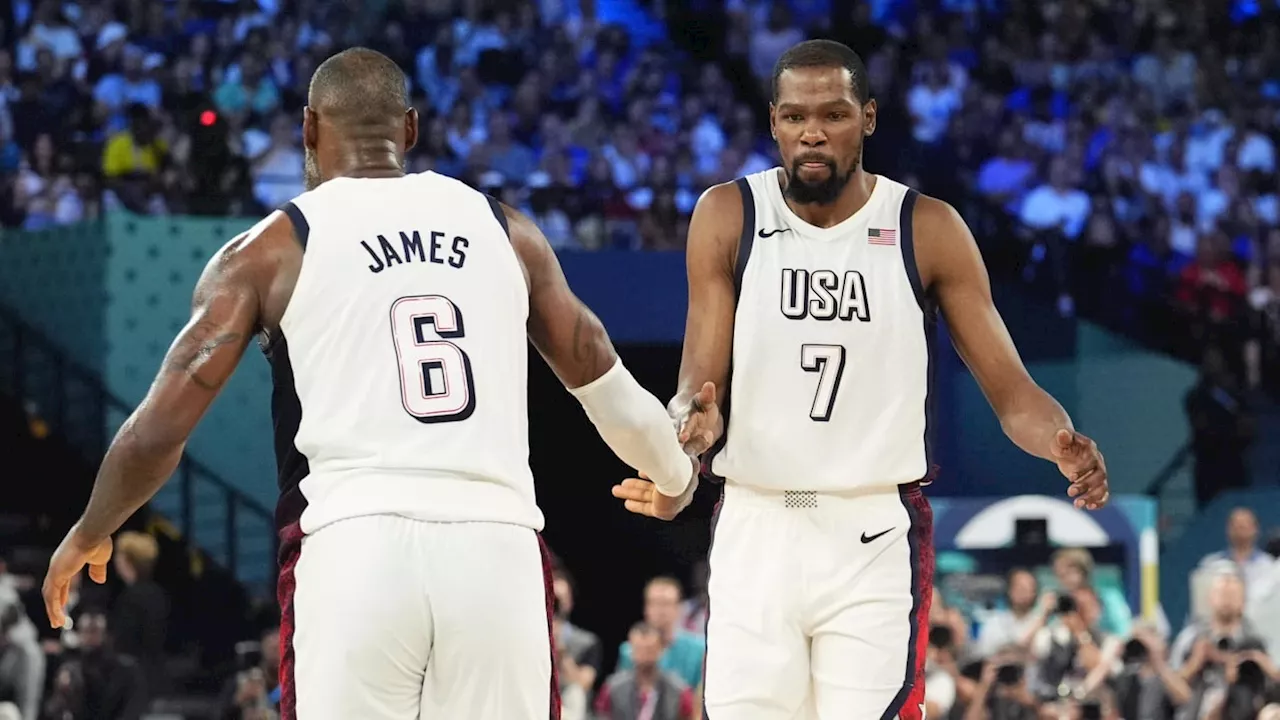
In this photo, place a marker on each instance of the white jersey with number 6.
(401, 366)
(831, 347)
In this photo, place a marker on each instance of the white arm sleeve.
(636, 427)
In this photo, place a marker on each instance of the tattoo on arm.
(588, 342)
(199, 345)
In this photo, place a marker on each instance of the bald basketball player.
(821, 282)
(394, 310)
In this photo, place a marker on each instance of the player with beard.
(412, 582)
(813, 294)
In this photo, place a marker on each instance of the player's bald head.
(359, 86)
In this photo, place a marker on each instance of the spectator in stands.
(1073, 646)
(1204, 650)
(21, 662)
(681, 651)
(1263, 349)
(140, 616)
(133, 158)
(576, 680)
(1073, 569)
(254, 693)
(1017, 622)
(1221, 427)
(945, 687)
(1255, 566)
(1212, 288)
(1146, 685)
(693, 611)
(943, 615)
(1003, 690)
(275, 161)
(645, 691)
(106, 684)
(1057, 212)
(582, 647)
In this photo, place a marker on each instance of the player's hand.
(67, 562)
(641, 496)
(699, 423)
(1081, 463)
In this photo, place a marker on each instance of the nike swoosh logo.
(872, 538)
(771, 233)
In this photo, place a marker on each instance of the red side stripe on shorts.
(549, 582)
(909, 702)
(290, 551)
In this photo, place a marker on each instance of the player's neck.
(851, 199)
(378, 160)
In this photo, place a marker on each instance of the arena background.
(1115, 160)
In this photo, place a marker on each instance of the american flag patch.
(882, 236)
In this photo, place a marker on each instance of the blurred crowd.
(1120, 155)
(1055, 642)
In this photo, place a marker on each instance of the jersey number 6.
(828, 362)
(435, 374)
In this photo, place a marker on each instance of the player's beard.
(310, 169)
(822, 192)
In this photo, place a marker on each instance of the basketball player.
(394, 310)
(821, 281)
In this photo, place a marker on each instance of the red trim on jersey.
(548, 581)
(909, 703)
(290, 550)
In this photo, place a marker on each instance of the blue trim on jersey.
(301, 228)
(498, 214)
(286, 414)
(905, 225)
(747, 240)
(745, 243)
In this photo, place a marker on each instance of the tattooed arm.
(146, 450)
(631, 421)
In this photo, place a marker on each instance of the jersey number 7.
(828, 362)
(435, 374)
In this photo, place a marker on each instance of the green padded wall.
(151, 270)
(54, 279)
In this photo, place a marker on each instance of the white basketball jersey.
(401, 367)
(831, 347)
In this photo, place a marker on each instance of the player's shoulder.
(723, 201)
(935, 218)
(255, 254)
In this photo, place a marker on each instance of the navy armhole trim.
(498, 214)
(745, 243)
(906, 225)
(746, 240)
(301, 228)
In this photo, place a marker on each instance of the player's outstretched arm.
(569, 336)
(711, 256)
(225, 315)
(951, 267)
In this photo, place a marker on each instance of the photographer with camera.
(1071, 646)
(1003, 691)
(1146, 686)
(254, 693)
(1221, 657)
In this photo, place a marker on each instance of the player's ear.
(773, 128)
(410, 128)
(309, 128)
(869, 118)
